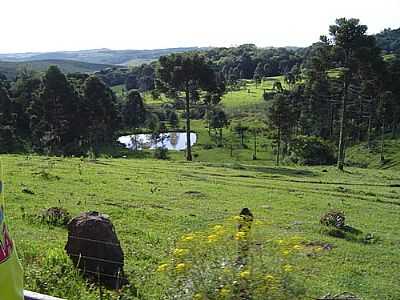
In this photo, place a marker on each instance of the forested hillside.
(11, 69)
(98, 56)
(389, 40)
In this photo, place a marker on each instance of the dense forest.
(389, 40)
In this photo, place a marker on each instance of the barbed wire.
(96, 259)
(92, 240)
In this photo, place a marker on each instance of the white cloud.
(47, 25)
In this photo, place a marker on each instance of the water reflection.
(169, 140)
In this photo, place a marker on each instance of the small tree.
(218, 120)
(383, 109)
(258, 74)
(134, 112)
(241, 129)
(153, 123)
(173, 119)
(280, 120)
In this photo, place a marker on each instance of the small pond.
(169, 140)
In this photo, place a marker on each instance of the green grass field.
(152, 203)
(250, 94)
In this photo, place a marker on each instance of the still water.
(169, 140)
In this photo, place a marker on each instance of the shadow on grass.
(350, 234)
(267, 170)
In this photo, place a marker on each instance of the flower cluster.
(208, 264)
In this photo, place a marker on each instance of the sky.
(56, 25)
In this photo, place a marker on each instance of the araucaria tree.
(186, 73)
(348, 38)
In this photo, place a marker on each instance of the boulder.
(94, 248)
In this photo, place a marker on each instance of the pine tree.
(53, 115)
(99, 112)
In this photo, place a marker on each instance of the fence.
(36, 296)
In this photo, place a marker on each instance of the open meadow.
(154, 203)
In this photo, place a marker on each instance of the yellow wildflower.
(180, 252)
(296, 239)
(240, 235)
(245, 274)
(188, 237)
(288, 268)
(285, 252)
(297, 247)
(162, 268)
(218, 227)
(224, 292)
(180, 267)
(197, 296)
(318, 249)
(280, 242)
(212, 238)
(269, 277)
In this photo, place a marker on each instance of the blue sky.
(51, 25)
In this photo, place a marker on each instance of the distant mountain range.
(97, 56)
(88, 61)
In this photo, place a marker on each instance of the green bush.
(161, 153)
(312, 150)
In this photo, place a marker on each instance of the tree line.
(60, 114)
(348, 93)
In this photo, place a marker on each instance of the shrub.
(161, 153)
(312, 150)
(55, 216)
(333, 218)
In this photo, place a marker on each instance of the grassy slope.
(360, 155)
(290, 199)
(250, 94)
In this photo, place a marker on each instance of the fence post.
(243, 236)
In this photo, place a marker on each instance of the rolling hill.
(10, 69)
(97, 56)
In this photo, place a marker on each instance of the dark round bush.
(312, 150)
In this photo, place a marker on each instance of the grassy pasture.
(153, 203)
